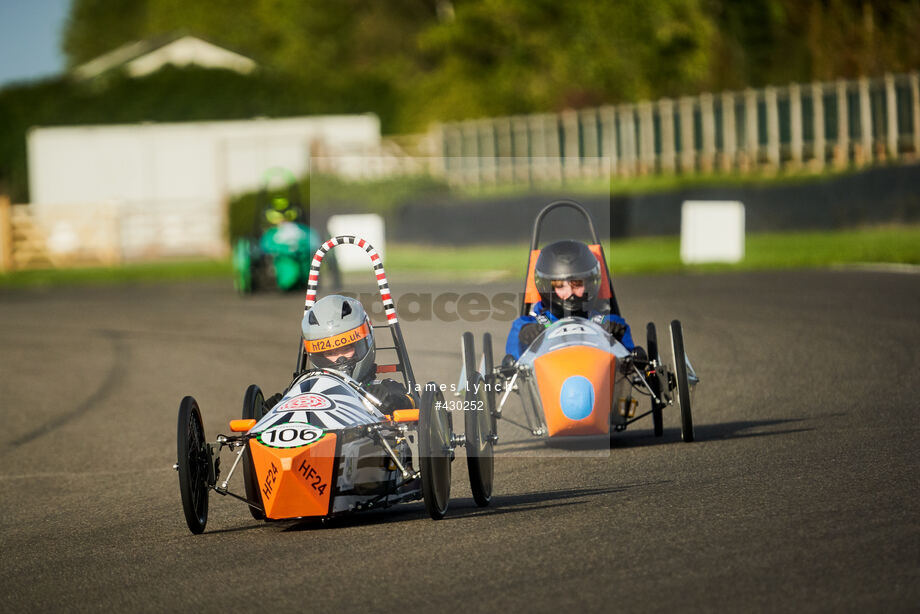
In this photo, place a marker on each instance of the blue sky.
(30, 38)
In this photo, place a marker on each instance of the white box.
(367, 226)
(711, 231)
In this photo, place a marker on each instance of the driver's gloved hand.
(616, 329)
(529, 332)
(390, 398)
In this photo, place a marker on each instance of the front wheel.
(434, 449)
(253, 409)
(682, 381)
(478, 429)
(193, 461)
(655, 382)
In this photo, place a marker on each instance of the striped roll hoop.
(313, 281)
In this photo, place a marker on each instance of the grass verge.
(890, 244)
(886, 244)
(129, 273)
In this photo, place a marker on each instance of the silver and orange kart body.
(317, 452)
(569, 381)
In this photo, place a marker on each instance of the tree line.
(416, 61)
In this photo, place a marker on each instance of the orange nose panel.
(295, 482)
(553, 369)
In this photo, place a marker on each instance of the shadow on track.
(465, 508)
(640, 438)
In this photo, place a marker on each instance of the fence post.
(915, 105)
(487, 149)
(591, 161)
(770, 99)
(708, 117)
(795, 124)
(729, 140)
(865, 120)
(572, 153)
(817, 105)
(505, 149)
(891, 110)
(627, 138)
(6, 234)
(471, 161)
(537, 146)
(666, 114)
(842, 149)
(751, 132)
(437, 166)
(687, 144)
(551, 132)
(646, 139)
(609, 137)
(521, 136)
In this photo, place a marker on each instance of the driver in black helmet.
(338, 335)
(568, 278)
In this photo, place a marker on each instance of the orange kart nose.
(576, 388)
(295, 482)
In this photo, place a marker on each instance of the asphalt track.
(800, 494)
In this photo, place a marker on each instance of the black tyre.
(479, 452)
(478, 425)
(682, 381)
(434, 450)
(490, 379)
(193, 461)
(651, 336)
(253, 409)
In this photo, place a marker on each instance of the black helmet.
(567, 261)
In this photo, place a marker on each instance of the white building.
(144, 57)
(167, 185)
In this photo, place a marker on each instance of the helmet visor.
(571, 293)
(342, 351)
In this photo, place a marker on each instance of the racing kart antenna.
(384, 287)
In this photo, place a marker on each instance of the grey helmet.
(331, 328)
(567, 261)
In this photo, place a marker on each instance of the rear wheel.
(193, 465)
(655, 382)
(681, 380)
(434, 450)
(477, 424)
(253, 409)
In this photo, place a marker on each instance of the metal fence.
(831, 124)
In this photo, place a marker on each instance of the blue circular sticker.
(577, 397)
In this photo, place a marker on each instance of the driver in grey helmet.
(338, 335)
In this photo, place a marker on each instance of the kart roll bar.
(535, 240)
(384, 288)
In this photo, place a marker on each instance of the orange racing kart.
(323, 447)
(575, 378)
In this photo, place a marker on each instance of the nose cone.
(577, 397)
